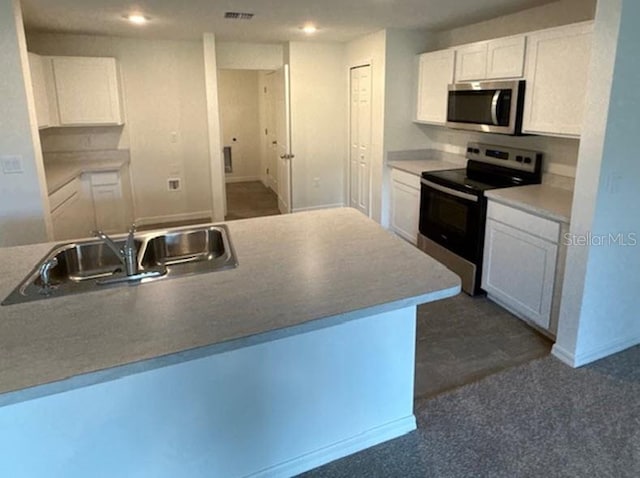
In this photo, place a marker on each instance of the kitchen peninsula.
(302, 354)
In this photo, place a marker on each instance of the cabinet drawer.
(57, 198)
(544, 228)
(105, 179)
(405, 178)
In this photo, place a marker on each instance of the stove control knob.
(527, 160)
(519, 159)
(477, 151)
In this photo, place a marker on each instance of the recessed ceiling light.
(309, 28)
(137, 18)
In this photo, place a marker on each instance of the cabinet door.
(519, 271)
(108, 202)
(471, 62)
(87, 90)
(435, 73)
(557, 69)
(505, 58)
(71, 215)
(405, 208)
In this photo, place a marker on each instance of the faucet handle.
(133, 228)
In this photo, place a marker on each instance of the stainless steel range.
(453, 206)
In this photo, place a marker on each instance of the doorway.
(255, 123)
(360, 139)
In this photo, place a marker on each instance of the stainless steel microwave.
(491, 106)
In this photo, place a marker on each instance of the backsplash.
(84, 139)
(102, 155)
(560, 154)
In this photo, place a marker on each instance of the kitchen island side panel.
(272, 409)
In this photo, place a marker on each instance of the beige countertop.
(60, 171)
(539, 199)
(296, 273)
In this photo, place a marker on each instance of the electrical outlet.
(11, 164)
(174, 184)
(316, 182)
(173, 137)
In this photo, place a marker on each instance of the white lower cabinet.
(520, 263)
(405, 205)
(108, 203)
(71, 212)
(91, 201)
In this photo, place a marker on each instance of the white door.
(360, 139)
(283, 132)
(271, 136)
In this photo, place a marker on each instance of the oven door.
(452, 219)
(493, 107)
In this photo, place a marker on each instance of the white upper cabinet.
(557, 69)
(471, 62)
(435, 73)
(491, 60)
(87, 91)
(505, 58)
(37, 67)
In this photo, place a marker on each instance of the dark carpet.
(541, 419)
(250, 199)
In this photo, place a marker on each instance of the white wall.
(164, 91)
(319, 123)
(600, 302)
(549, 15)
(24, 217)
(238, 93)
(370, 49)
(249, 56)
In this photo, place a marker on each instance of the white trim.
(563, 355)
(187, 216)
(606, 350)
(214, 129)
(315, 208)
(341, 449)
(242, 179)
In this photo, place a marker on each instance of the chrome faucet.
(127, 254)
(45, 275)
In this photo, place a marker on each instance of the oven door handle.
(494, 107)
(452, 192)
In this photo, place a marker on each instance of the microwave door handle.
(494, 106)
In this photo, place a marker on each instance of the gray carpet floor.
(540, 419)
(250, 199)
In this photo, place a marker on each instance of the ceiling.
(274, 21)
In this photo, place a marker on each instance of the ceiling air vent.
(238, 15)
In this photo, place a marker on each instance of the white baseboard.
(187, 216)
(562, 355)
(584, 358)
(241, 179)
(339, 450)
(315, 208)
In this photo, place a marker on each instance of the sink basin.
(184, 247)
(90, 265)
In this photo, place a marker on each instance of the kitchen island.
(302, 354)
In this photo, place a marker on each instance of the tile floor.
(250, 199)
(463, 339)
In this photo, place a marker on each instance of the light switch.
(11, 164)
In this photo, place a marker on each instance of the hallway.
(250, 199)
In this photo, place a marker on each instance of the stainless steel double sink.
(90, 265)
